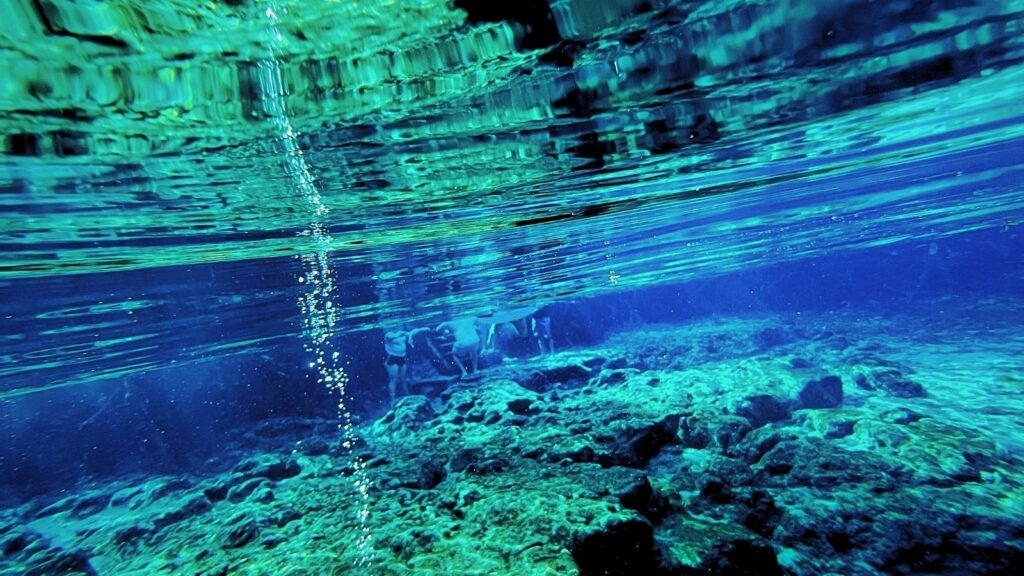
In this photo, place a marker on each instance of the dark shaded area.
(42, 557)
(825, 392)
(764, 409)
(950, 555)
(44, 10)
(69, 143)
(650, 503)
(636, 447)
(625, 548)
(578, 102)
(24, 145)
(592, 149)
(704, 129)
(741, 558)
(564, 54)
(533, 18)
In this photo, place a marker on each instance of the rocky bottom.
(839, 443)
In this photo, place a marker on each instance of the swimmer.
(396, 347)
(542, 332)
(513, 322)
(467, 342)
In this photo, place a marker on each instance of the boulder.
(763, 409)
(824, 392)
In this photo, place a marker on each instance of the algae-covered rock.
(182, 510)
(60, 561)
(29, 553)
(543, 378)
(875, 373)
(824, 392)
(240, 491)
(408, 415)
(240, 532)
(651, 503)
(270, 466)
(763, 409)
(637, 444)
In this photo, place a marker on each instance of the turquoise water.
(212, 216)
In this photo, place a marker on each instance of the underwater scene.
(535, 287)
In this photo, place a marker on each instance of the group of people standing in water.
(460, 342)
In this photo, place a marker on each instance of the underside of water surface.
(581, 287)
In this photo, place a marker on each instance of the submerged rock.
(315, 446)
(242, 531)
(764, 409)
(61, 561)
(714, 468)
(643, 498)
(887, 376)
(90, 504)
(129, 536)
(545, 378)
(191, 507)
(762, 516)
(636, 446)
(13, 542)
(39, 557)
(408, 414)
(431, 474)
(819, 463)
(741, 558)
(798, 363)
(623, 547)
(523, 406)
(272, 466)
(901, 416)
(825, 392)
(78, 506)
(251, 474)
(239, 492)
(772, 337)
(728, 431)
(898, 384)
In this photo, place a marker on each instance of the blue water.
(779, 246)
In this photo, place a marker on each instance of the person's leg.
(521, 326)
(458, 362)
(489, 344)
(403, 379)
(392, 379)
